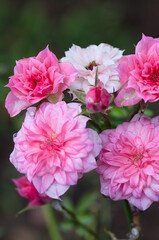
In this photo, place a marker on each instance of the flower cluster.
(55, 147)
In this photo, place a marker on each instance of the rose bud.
(26, 189)
(97, 99)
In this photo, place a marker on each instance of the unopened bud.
(97, 99)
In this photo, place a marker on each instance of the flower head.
(54, 147)
(36, 78)
(97, 99)
(26, 189)
(86, 61)
(129, 162)
(139, 74)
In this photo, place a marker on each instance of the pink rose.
(139, 74)
(128, 163)
(27, 190)
(97, 99)
(36, 78)
(54, 147)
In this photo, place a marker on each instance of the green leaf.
(81, 232)
(86, 201)
(118, 113)
(149, 113)
(68, 204)
(80, 95)
(67, 225)
(86, 219)
(25, 210)
(115, 123)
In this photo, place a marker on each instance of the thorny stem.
(75, 219)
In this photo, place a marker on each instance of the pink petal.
(145, 44)
(14, 105)
(126, 97)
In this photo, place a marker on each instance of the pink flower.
(129, 162)
(140, 74)
(27, 190)
(97, 99)
(36, 78)
(54, 147)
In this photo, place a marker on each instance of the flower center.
(151, 74)
(154, 77)
(137, 157)
(52, 143)
(91, 65)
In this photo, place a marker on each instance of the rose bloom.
(128, 163)
(139, 74)
(97, 99)
(36, 78)
(86, 61)
(54, 148)
(26, 189)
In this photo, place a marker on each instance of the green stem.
(75, 219)
(143, 107)
(96, 77)
(128, 213)
(133, 217)
(106, 121)
(136, 110)
(51, 222)
(136, 220)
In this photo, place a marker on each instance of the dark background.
(26, 27)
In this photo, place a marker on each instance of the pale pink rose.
(139, 74)
(129, 162)
(97, 99)
(27, 190)
(87, 60)
(54, 147)
(36, 78)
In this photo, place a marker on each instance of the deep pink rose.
(54, 147)
(97, 99)
(27, 190)
(129, 162)
(36, 78)
(139, 74)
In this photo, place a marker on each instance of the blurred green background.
(27, 27)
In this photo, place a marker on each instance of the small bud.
(97, 99)
(26, 189)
